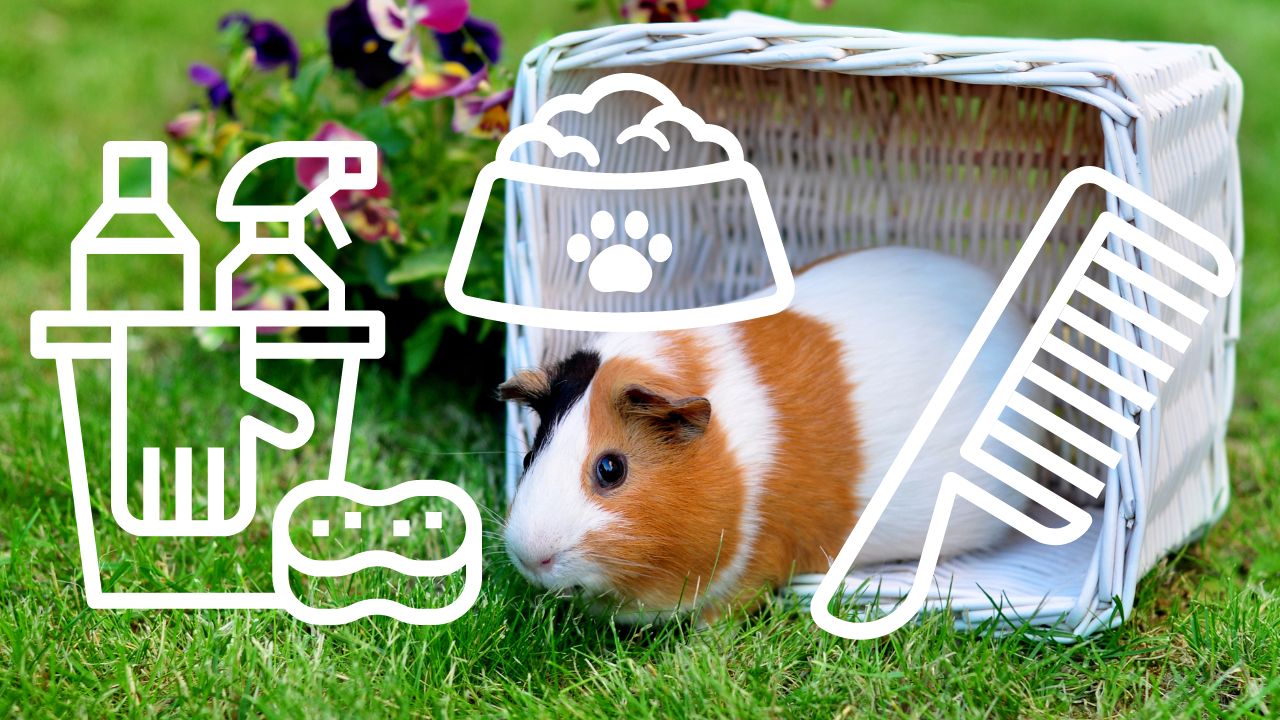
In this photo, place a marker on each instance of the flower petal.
(331, 130)
(485, 117)
(238, 17)
(432, 84)
(661, 11)
(311, 171)
(187, 124)
(354, 44)
(374, 220)
(218, 91)
(241, 290)
(205, 75)
(477, 44)
(273, 46)
(441, 15)
(388, 18)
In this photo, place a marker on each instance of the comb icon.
(1119, 260)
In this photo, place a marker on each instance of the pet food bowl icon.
(620, 268)
(351, 166)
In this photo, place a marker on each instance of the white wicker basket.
(866, 138)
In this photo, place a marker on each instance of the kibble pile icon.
(621, 248)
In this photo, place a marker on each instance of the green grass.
(1203, 638)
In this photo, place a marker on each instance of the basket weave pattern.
(868, 138)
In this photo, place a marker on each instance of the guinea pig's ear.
(525, 387)
(672, 420)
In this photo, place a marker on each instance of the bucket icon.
(160, 492)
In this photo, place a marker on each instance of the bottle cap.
(157, 155)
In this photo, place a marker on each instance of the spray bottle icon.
(352, 165)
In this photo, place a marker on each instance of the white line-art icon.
(352, 165)
(619, 268)
(1006, 396)
(285, 556)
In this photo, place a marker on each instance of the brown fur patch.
(808, 506)
(680, 503)
(525, 385)
(683, 502)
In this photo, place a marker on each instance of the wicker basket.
(868, 138)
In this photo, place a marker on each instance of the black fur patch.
(568, 381)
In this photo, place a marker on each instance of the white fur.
(902, 315)
(551, 513)
(741, 406)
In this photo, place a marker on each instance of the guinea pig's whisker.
(434, 453)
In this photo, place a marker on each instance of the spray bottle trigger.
(365, 176)
(333, 223)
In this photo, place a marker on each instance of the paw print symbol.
(619, 268)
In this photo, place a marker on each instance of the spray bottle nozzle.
(352, 165)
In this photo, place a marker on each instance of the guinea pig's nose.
(537, 564)
(545, 564)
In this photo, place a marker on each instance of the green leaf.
(421, 265)
(377, 124)
(309, 79)
(375, 268)
(422, 345)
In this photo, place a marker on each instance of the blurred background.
(77, 73)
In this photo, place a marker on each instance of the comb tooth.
(1115, 342)
(1167, 256)
(1046, 458)
(1078, 399)
(1031, 410)
(1096, 370)
(1151, 286)
(993, 466)
(1135, 315)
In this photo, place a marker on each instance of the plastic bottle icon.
(89, 241)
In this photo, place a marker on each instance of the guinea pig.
(692, 469)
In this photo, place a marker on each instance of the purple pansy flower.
(448, 80)
(476, 44)
(484, 116)
(215, 84)
(400, 24)
(355, 44)
(273, 46)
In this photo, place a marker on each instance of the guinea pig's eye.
(611, 470)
